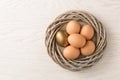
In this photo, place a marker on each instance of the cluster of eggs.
(76, 39)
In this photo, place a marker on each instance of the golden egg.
(73, 27)
(87, 31)
(61, 38)
(71, 52)
(76, 40)
(88, 49)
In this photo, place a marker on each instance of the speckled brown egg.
(76, 40)
(88, 49)
(71, 52)
(73, 27)
(87, 31)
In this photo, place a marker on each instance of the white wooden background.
(23, 55)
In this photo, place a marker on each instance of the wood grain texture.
(23, 54)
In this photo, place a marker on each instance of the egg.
(88, 49)
(87, 31)
(76, 40)
(71, 52)
(61, 38)
(73, 27)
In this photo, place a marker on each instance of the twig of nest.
(75, 40)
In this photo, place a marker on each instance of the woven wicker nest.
(55, 51)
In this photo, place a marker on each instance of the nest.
(54, 50)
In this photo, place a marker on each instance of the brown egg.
(71, 52)
(76, 40)
(73, 27)
(88, 49)
(87, 31)
(61, 38)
